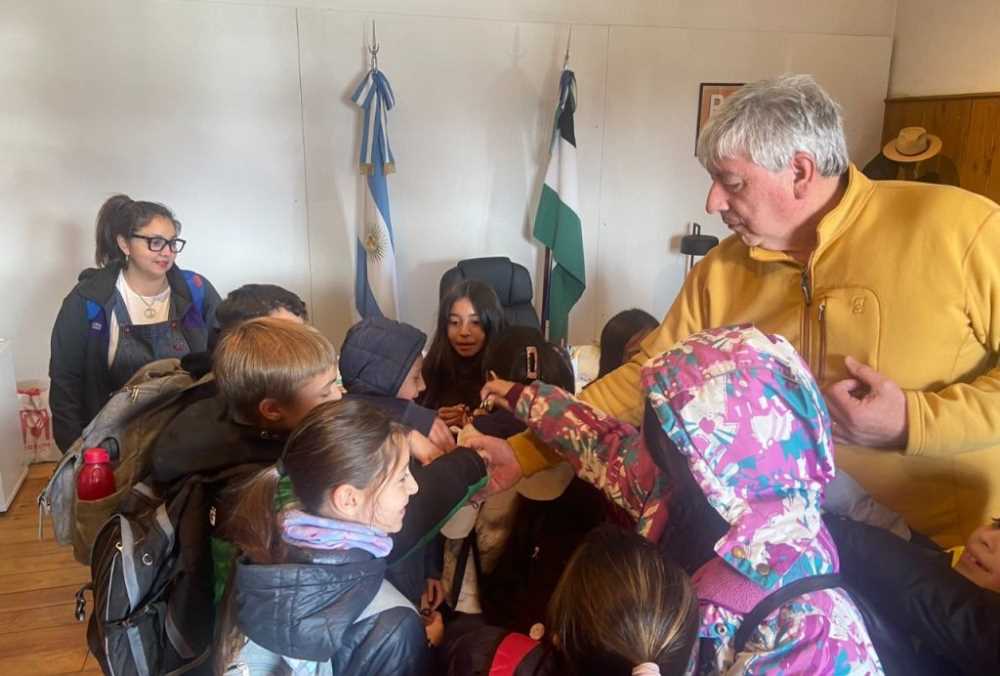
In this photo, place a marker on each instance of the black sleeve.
(470, 653)
(444, 485)
(402, 411)
(66, 368)
(916, 589)
(419, 418)
(212, 301)
(434, 558)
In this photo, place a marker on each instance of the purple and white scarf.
(318, 532)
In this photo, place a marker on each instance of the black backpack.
(545, 535)
(152, 582)
(895, 650)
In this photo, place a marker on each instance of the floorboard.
(38, 581)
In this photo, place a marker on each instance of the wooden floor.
(38, 633)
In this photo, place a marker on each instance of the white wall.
(192, 104)
(945, 48)
(236, 114)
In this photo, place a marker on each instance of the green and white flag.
(557, 222)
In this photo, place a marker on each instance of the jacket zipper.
(822, 342)
(807, 295)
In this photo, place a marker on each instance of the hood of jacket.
(203, 437)
(303, 608)
(743, 409)
(98, 284)
(377, 355)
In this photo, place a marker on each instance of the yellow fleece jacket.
(905, 278)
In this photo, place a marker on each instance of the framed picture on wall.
(710, 97)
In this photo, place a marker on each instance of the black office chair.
(510, 280)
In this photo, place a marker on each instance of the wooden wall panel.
(979, 165)
(969, 127)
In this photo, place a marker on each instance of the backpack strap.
(97, 318)
(196, 285)
(778, 598)
(510, 653)
(470, 544)
(386, 598)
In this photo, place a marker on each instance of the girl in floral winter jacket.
(748, 427)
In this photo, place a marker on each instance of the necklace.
(149, 312)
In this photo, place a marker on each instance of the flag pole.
(546, 282)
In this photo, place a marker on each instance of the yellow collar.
(859, 189)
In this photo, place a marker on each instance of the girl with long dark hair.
(468, 317)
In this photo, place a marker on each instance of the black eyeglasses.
(156, 243)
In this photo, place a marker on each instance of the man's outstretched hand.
(501, 463)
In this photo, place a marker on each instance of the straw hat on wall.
(912, 144)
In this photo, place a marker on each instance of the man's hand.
(867, 409)
(441, 436)
(501, 463)
(422, 449)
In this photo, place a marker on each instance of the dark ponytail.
(121, 216)
(507, 356)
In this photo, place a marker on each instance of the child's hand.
(434, 626)
(441, 436)
(453, 416)
(433, 595)
(494, 393)
(422, 449)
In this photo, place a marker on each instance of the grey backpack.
(149, 393)
(151, 580)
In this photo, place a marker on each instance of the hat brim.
(933, 148)
(548, 484)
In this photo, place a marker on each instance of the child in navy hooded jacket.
(380, 361)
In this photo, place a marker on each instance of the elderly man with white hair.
(890, 290)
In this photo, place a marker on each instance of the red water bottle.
(96, 480)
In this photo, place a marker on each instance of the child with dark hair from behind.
(260, 300)
(619, 609)
(621, 336)
(249, 301)
(522, 355)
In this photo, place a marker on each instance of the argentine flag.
(375, 277)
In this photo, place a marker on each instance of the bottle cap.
(95, 456)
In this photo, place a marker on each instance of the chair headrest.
(510, 280)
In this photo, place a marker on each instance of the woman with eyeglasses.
(134, 308)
